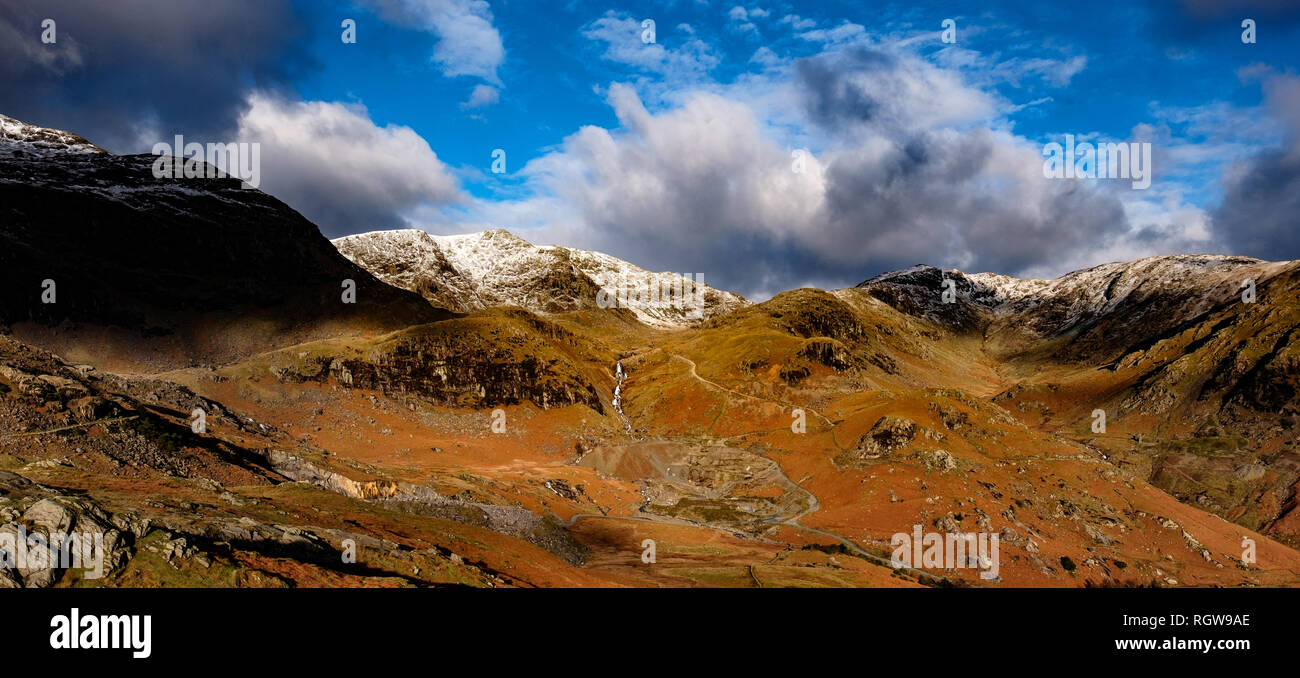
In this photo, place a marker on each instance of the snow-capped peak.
(497, 268)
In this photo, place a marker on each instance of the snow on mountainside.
(1198, 281)
(1202, 279)
(412, 260)
(1103, 309)
(21, 139)
(497, 268)
(40, 156)
(1095, 288)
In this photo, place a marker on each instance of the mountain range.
(200, 388)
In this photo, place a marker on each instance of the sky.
(765, 145)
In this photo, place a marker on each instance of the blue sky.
(1138, 61)
(676, 154)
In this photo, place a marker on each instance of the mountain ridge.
(174, 272)
(496, 267)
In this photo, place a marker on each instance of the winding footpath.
(812, 503)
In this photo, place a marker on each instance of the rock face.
(181, 271)
(135, 433)
(500, 357)
(919, 291)
(435, 372)
(497, 268)
(73, 534)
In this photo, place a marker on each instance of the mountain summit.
(497, 268)
(170, 272)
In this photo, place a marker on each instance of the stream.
(618, 395)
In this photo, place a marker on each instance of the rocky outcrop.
(511, 520)
(45, 534)
(888, 435)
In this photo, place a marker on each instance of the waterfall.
(618, 395)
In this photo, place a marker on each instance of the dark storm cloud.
(934, 194)
(130, 73)
(1257, 216)
(125, 68)
(770, 265)
(861, 90)
(917, 180)
(949, 198)
(832, 99)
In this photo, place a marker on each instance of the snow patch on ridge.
(1206, 279)
(20, 138)
(497, 268)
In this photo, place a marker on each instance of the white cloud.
(797, 22)
(843, 34)
(912, 162)
(622, 36)
(1057, 72)
(483, 95)
(741, 20)
(333, 163)
(468, 42)
(867, 90)
(708, 182)
(765, 57)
